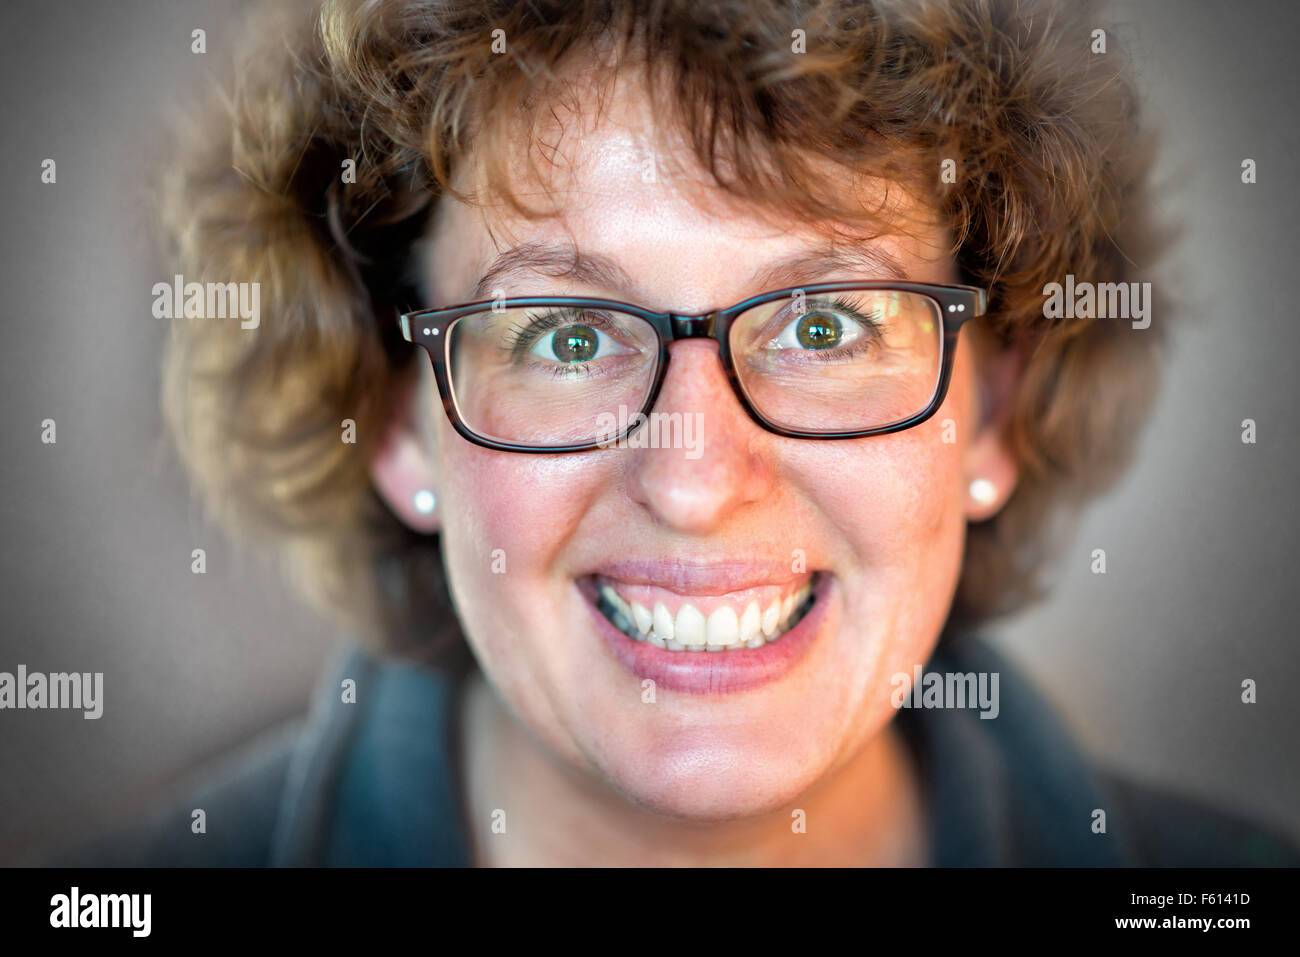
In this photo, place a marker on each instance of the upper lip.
(702, 578)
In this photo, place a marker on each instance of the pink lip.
(714, 672)
(712, 578)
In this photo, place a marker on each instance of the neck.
(865, 813)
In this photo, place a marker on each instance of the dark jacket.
(372, 783)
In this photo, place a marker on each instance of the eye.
(576, 342)
(819, 329)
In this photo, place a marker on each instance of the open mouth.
(745, 619)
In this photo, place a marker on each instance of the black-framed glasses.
(837, 360)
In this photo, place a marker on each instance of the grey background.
(1145, 662)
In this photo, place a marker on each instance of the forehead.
(626, 195)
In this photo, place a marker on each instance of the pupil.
(819, 332)
(574, 343)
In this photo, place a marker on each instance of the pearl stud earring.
(983, 491)
(425, 502)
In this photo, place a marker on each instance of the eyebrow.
(868, 262)
(593, 269)
(555, 261)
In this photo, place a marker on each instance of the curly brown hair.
(1051, 180)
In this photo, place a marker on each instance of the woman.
(665, 397)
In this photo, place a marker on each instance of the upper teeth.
(690, 630)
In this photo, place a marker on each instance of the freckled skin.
(885, 515)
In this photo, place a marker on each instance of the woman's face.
(874, 526)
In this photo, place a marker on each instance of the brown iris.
(574, 343)
(819, 331)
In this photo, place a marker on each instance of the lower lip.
(715, 672)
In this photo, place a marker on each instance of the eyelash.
(524, 336)
(874, 332)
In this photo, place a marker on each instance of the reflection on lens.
(842, 361)
(548, 375)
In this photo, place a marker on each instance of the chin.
(712, 785)
(721, 761)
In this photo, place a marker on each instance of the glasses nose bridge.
(693, 327)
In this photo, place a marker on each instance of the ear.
(403, 466)
(990, 466)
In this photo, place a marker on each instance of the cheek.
(520, 508)
(923, 475)
(508, 523)
(892, 502)
(901, 527)
(918, 510)
(508, 519)
(896, 506)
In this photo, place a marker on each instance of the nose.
(695, 487)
